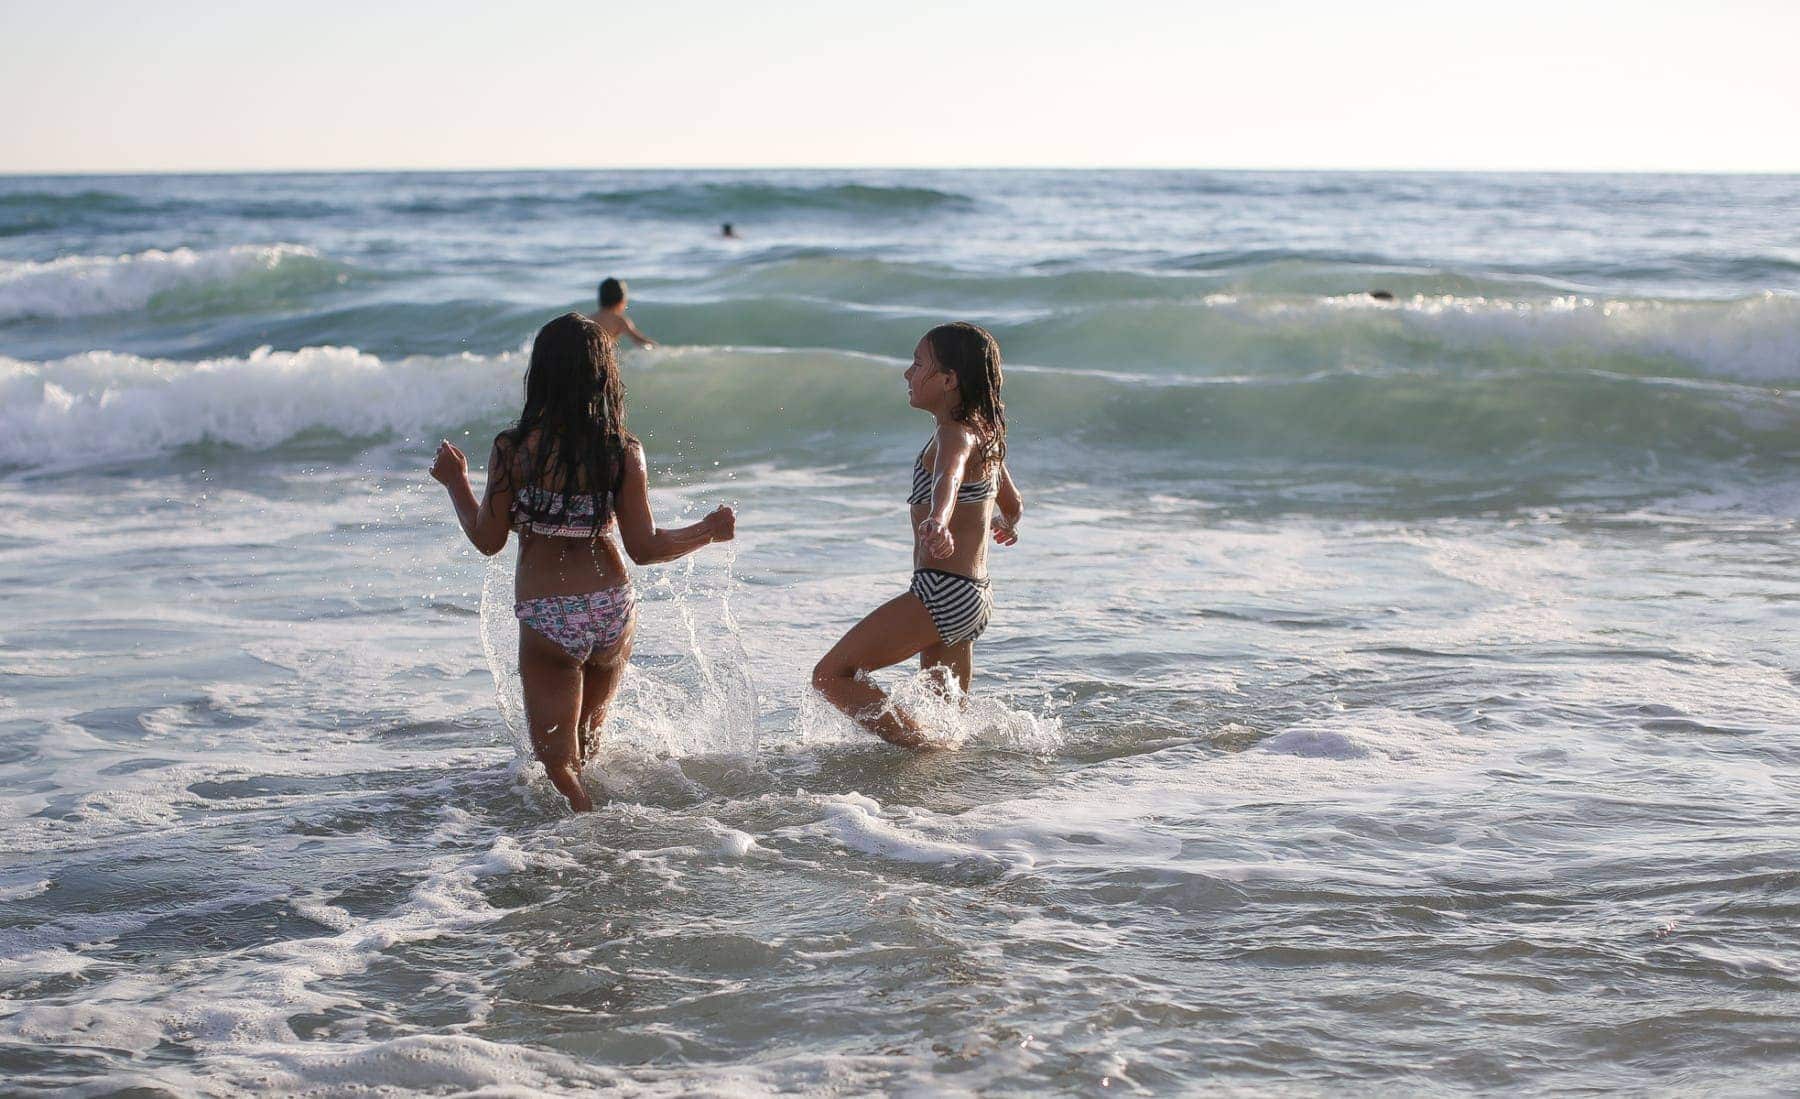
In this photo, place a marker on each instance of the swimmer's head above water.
(612, 292)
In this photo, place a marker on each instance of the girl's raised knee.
(827, 671)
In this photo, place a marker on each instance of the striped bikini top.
(970, 492)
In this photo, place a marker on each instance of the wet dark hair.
(972, 354)
(570, 438)
(612, 292)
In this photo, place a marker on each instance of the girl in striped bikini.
(961, 491)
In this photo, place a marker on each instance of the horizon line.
(7, 173)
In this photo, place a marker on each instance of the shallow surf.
(1384, 695)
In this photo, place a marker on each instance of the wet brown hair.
(575, 406)
(972, 354)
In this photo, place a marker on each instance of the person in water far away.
(961, 490)
(564, 476)
(611, 315)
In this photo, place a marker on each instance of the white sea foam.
(55, 961)
(105, 405)
(948, 718)
(82, 286)
(1338, 760)
(1754, 339)
(734, 844)
(466, 1064)
(1342, 758)
(19, 888)
(321, 912)
(1380, 738)
(859, 823)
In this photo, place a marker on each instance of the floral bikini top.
(578, 515)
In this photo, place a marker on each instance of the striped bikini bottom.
(959, 605)
(580, 623)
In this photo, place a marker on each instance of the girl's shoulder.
(631, 457)
(956, 435)
(514, 442)
(979, 459)
(511, 454)
(954, 438)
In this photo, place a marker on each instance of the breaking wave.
(242, 277)
(751, 405)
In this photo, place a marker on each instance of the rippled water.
(1385, 696)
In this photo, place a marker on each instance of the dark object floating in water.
(1381, 295)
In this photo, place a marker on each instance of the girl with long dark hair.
(562, 476)
(961, 490)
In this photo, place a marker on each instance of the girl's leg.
(553, 687)
(894, 631)
(958, 660)
(600, 685)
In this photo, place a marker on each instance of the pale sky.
(1601, 85)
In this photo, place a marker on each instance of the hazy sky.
(1570, 84)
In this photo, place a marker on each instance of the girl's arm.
(1010, 505)
(645, 542)
(484, 523)
(954, 445)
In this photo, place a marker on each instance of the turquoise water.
(1385, 695)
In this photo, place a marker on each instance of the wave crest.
(106, 406)
(728, 200)
(244, 276)
(702, 404)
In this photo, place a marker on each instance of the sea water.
(1386, 694)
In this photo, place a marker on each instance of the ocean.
(1387, 695)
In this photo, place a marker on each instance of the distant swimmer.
(728, 232)
(566, 473)
(1381, 295)
(961, 492)
(611, 316)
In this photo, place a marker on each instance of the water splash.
(687, 692)
(950, 718)
(500, 644)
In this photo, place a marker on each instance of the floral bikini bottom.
(581, 624)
